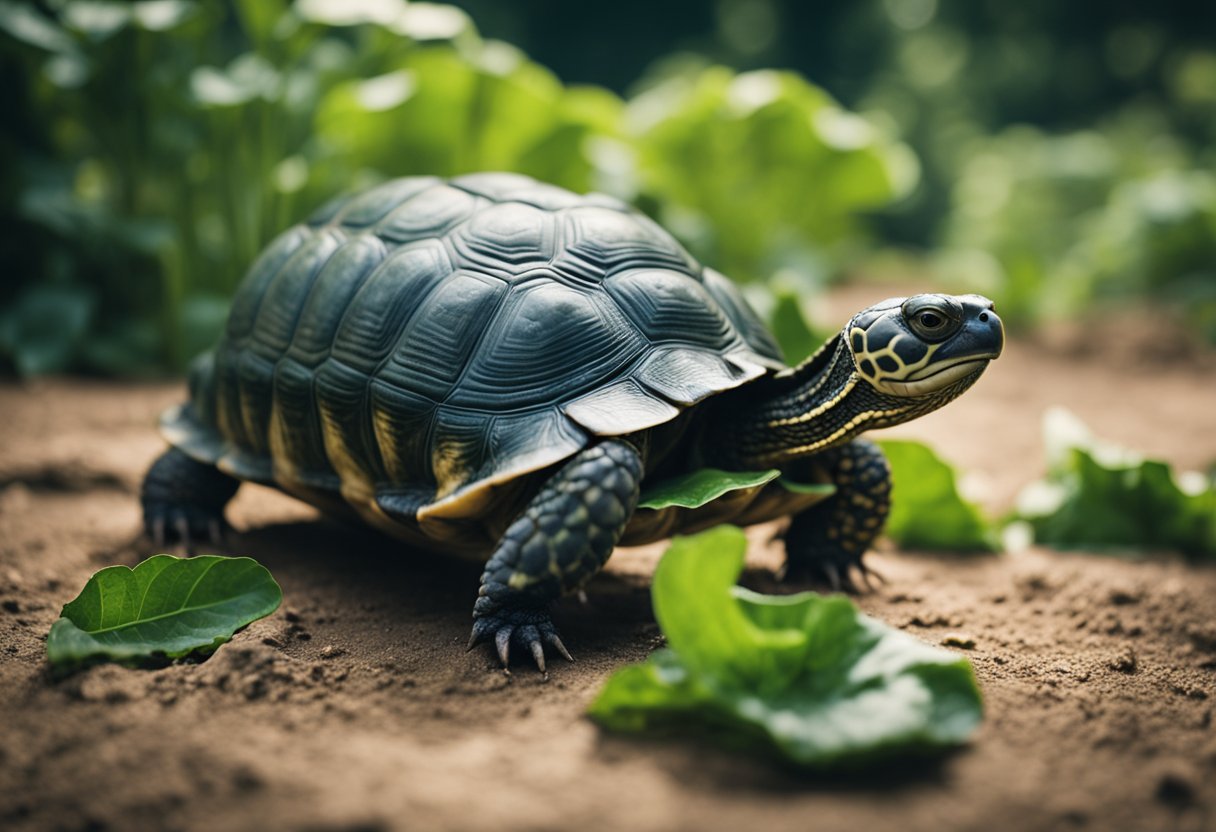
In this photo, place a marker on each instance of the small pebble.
(329, 651)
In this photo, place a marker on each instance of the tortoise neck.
(817, 405)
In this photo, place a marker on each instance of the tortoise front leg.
(559, 542)
(828, 539)
(183, 500)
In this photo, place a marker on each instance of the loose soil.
(355, 707)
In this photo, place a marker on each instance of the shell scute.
(509, 238)
(402, 423)
(339, 280)
(433, 350)
(428, 214)
(671, 306)
(244, 310)
(514, 187)
(296, 441)
(601, 241)
(374, 204)
(538, 349)
(287, 293)
(345, 410)
(377, 314)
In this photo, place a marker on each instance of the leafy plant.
(1098, 495)
(927, 511)
(761, 170)
(164, 608)
(1047, 224)
(804, 676)
(163, 144)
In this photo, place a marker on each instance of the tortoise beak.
(983, 333)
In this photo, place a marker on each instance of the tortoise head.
(925, 346)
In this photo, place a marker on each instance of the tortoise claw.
(841, 575)
(181, 525)
(833, 575)
(524, 629)
(187, 525)
(502, 640)
(869, 576)
(554, 641)
(157, 529)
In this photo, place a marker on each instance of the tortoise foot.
(523, 628)
(183, 501)
(835, 570)
(187, 525)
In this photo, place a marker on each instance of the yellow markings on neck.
(853, 425)
(821, 409)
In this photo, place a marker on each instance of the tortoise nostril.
(984, 317)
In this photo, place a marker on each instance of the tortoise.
(493, 366)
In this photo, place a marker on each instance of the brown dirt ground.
(355, 707)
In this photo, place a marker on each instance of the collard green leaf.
(927, 511)
(1098, 495)
(164, 608)
(700, 487)
(805, 676)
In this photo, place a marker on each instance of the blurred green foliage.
(1097, 495)
(1049, 225)
(1063, 152)
(158, 145)
(927, 510)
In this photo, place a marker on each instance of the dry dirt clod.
(1124, 595)
(960, 640)
(1124, 661)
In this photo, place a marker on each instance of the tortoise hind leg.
(559, 542)
(183, 500)
(828, 540)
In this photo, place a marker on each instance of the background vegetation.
(1054, 156)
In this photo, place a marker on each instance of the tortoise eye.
(932, 318)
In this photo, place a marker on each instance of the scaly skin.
(560, 541)
(829, 539)
(184, 500)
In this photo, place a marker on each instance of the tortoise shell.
(421, 342)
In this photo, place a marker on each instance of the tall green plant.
(166, 141)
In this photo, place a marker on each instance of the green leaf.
(789, 326)
(164, 608)
(700, 487)
(29, 26)
(824, 488)
(927, 511)
(759, 171)
(43, 328)
(805, 676)
(1097, 495)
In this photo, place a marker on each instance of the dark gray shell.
(424, 340)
